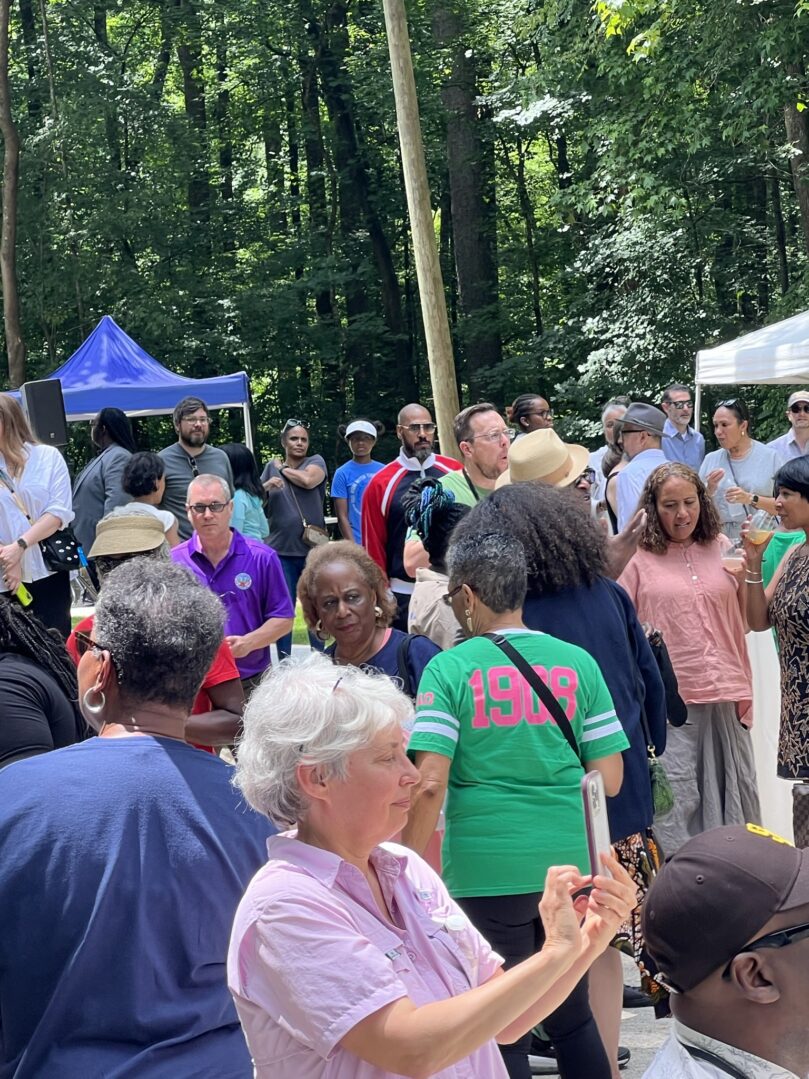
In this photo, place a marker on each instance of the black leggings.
(512, 925)
(51, 596)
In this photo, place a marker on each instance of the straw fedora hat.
(542, 457)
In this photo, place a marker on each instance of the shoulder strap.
(713, 1059)
(403, 665)
(6, 481)
(293, 496)
(471, 486)
(541, 690)
(736, 482)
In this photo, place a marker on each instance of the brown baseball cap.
(714, 896)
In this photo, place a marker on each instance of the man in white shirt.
(641, 434)
(727, 923)
(795, 443)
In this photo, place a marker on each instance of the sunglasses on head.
(732, 402)
(295, 423)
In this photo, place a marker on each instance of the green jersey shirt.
(514, 803)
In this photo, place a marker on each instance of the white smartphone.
(596, 822)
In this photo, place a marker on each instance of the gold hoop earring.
(378, 612)
(318, 627)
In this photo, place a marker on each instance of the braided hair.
(432, 513)
(25, 635)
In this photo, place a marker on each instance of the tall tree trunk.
(110, 117)
(31, 46)
(797, 128)
(778, 228)
(189, 54)
(223, 132)
(470, 157)
(274, 169)
(15, 345)
(294, 156)
(529, 223)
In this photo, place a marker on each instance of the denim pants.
(292, 565)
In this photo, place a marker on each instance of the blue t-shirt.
(350, 480)
(419, 651)
(248, 516)
(122, 862)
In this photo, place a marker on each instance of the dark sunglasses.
(295, 423)
(732, 402)
(799, 406)
(449, 596)
(779, 939)
(192, 462)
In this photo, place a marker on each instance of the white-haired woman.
(348, 956)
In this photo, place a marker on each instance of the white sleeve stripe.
(590, 720)
(423, 713)
(434, 728)
(602, 732)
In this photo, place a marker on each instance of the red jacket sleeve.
(374, 524)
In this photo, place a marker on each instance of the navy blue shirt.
(602, 620)
(122, 862)
(419, 653)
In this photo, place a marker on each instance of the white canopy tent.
(774, 354)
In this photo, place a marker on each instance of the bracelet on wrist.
(754, 580)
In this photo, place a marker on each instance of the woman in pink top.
(348, 958)
(680, 585)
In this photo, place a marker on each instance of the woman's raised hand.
(611, 902)
(557, 911)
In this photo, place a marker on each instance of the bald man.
(383, 523)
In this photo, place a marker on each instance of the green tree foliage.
(615, 185)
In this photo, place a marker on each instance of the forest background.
(615, 185)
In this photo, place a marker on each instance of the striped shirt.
(514, 799)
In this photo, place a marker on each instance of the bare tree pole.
(15, 345)
(428, 269)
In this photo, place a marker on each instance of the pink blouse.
(693, 601)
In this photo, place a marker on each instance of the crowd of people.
(394, 878)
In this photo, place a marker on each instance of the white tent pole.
(697, 405)
(248, 427)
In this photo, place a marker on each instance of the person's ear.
(311, 782)
(465, 447)
(754, 976)
(469, 597)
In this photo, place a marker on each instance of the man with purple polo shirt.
(245, 573)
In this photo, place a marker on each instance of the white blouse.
(43, 487)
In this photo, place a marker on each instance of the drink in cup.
(762, 526)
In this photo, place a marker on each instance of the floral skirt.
(641, 857)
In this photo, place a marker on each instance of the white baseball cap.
(364, 427)
(798, 395)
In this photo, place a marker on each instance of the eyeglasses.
(449, 596)
(543, 413)
(732, 402)
(199, 508)
(85, 643)
(779, 939)
(631, 431)
(295, 423)
(491, 436)
(414, 428)
(680, 404)
(798, 407)
(588, 476)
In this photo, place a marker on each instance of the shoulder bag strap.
(6, 481)
(471, 486)
(733, 473)
(293, 496)
(402, 663)
(541, 690)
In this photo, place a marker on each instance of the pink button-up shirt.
(694, 602)
(311, 956)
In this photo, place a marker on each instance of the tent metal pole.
(248, 427)
(697, 405)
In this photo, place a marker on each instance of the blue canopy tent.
(111, 370)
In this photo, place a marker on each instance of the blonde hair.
(15, 431)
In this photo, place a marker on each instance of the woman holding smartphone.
(512, 778)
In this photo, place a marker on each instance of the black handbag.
(60, 550)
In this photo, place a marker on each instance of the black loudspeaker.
(45, 407)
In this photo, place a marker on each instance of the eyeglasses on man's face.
(196, 420)
(781, 938)
(491, 436)
(417, 428)
(199, 508)
(681, 405)
(798, 407)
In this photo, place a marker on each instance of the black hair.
(116, 424)
(739, 409)
(245, 469)
(433, 513)
(24, 635)
(521, 408)
(794, 476)
(564, 547)
(142, 473)
(380, 427)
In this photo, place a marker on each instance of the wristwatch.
(754, 499)
(22, 544)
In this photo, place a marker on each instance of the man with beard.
(189, 457)
(383, 520)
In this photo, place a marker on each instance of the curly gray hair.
(310, 712)
(162, 628)
(493, 565)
